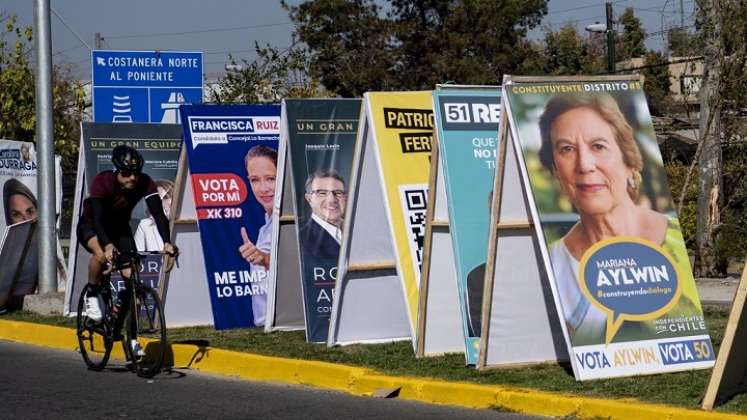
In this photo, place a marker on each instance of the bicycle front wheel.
(94, 339)
(147, 325)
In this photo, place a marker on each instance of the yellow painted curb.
(363, 381)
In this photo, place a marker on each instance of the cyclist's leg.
(97, 263)
(87, 238)
(125, 243)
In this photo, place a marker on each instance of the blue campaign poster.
(232, 152)
(467, 125)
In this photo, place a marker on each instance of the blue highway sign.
(144, 86)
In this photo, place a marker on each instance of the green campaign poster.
(467, 125)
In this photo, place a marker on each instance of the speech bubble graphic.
(629, 278)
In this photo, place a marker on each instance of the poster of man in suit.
(321, 141)
(325, 193)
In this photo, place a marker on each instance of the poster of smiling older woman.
(613, 246)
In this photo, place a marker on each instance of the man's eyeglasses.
(325, 193)
(127, 173)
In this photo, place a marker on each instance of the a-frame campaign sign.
(519, 322)
(586, 257)
(284, 295)
(466, 120)
(438, 303)
(158, 143)
(729, 376)
(232, 157)
(320, 137)
(183, 291)
(376, 291)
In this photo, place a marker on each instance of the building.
(685, 76)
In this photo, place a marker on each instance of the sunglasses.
(128, 173)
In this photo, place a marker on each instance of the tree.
(730, 102)
(17, 95)
(722, 103)
(680, 43)
(567, 52)
(657, 82)
(272, 76)
(351, 49)
(354, 47)
(632, 40)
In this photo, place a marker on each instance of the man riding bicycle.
(104, 225)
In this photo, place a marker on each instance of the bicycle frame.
(140, 314)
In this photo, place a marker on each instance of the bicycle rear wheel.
(146, 312)
(94, 338)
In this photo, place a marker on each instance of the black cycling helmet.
(125, 158)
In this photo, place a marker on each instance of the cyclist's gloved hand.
(170, 254)
(109, 255)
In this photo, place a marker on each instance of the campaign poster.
(403, 132)
(232, 153)
(611, 238)
(19, 257)
(322, 135)
(160, 145)
(467, 126)
(18, 180)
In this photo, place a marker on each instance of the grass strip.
(683, 389)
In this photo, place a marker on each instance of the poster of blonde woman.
(617, 259)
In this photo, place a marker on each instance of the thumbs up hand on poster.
(251, 253)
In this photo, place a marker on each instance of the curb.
(365, 382)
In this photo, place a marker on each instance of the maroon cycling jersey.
(118, 202)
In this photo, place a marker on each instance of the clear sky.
(222, 27)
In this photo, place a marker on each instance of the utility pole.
(46, 235)
(99, 44)
(610, 40)
(709, 161)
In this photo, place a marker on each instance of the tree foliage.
(731, 241)
(272, 76)
(566, 52)
(17, 95)
(355, 46)
(632, 40)
(657, 82)
(681, 43)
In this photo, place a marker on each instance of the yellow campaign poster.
(403, 132)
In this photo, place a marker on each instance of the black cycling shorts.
(120, 236)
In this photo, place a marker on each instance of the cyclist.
(104, 225)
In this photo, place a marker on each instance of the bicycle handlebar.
(146, 253)
(116, 263)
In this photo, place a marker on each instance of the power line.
(202, 31)
(662, 32)
(227, 52)
(581, 7)
(70, 29)
(68, 50)
(575, 21)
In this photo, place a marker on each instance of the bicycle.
(144, 320)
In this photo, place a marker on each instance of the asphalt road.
(42, 383)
